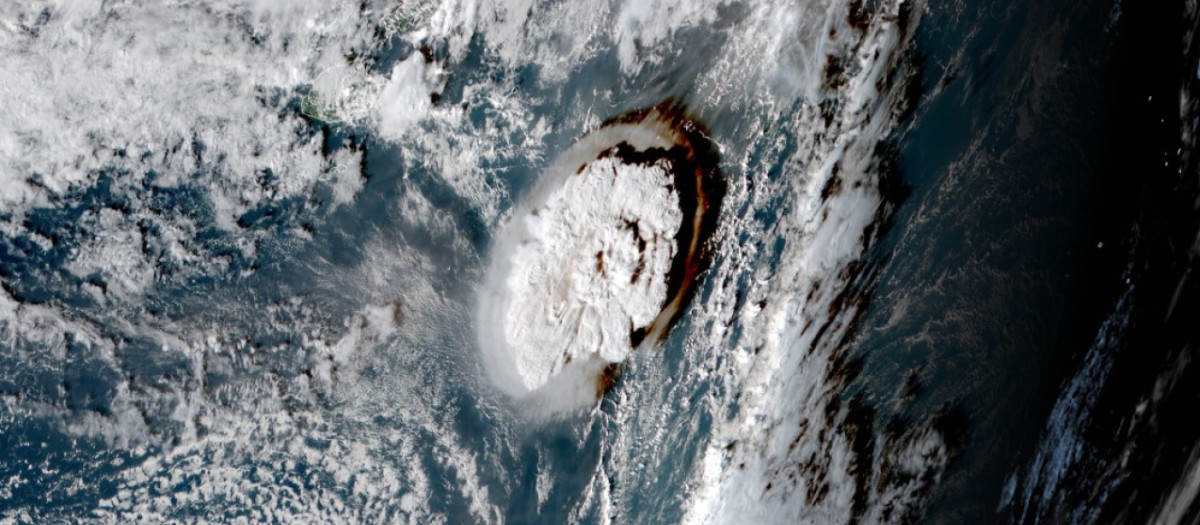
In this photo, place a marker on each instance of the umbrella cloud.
(601, 258)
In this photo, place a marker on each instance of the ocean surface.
(245, 246)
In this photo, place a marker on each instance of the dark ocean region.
(1040, 266)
